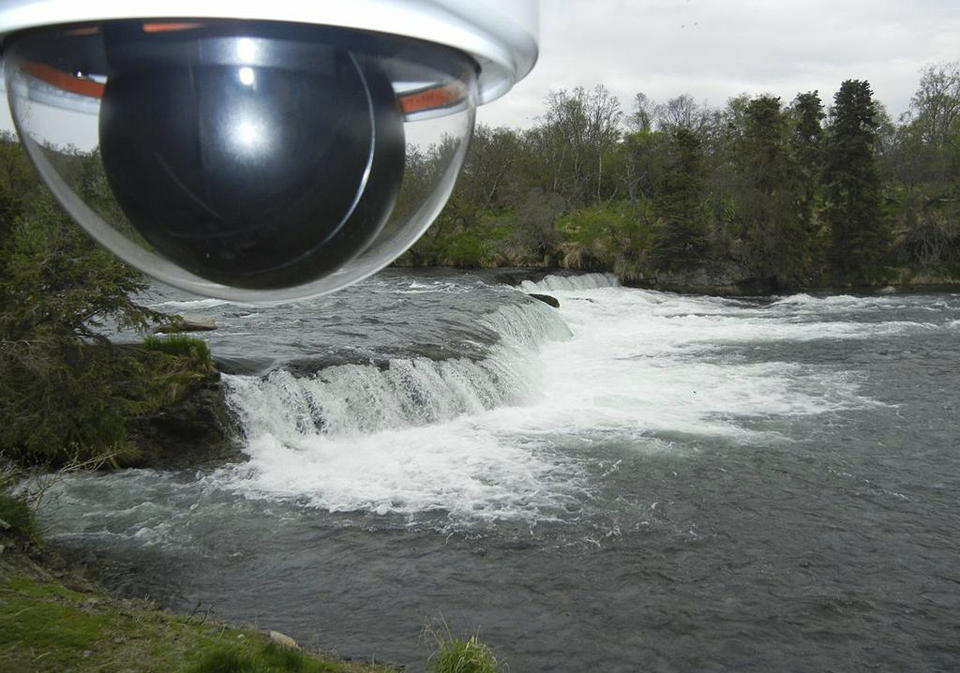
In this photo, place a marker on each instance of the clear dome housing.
(251, 161)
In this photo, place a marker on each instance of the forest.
(759, 196)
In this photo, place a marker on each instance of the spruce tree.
(681, 237)
(806, 147)
(767, 199)
(853, 188)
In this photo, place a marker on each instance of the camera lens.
(248, 160)
(247, 174)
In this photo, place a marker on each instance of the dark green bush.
(17, 514)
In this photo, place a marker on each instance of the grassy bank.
(53, 619)
(56, 622)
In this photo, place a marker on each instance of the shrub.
(271, 658)
(16, 513)
(459, 655)
(181, 345)
(66, 401)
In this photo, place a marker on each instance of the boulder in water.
(188, 322)
(283, 640)
(546, 299)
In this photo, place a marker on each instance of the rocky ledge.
(197, 430)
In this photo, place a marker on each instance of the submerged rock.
(546, 299)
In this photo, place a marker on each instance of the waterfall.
(366, 398)
(587, 281)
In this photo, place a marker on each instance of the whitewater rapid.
(492, 437)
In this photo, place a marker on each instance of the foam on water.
(461, 467)
(804, 304)
(192, 304)
(647, 362)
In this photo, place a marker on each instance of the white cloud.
(716, 49)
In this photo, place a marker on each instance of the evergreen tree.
(681, 237)
(806, 146)
(772, 241)
(859, 234)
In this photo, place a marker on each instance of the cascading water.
(349, 437)
(364, 398)
(587, 281)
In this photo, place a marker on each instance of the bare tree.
(644, 109)
(936, 104)
(680, 112)
(580, 127)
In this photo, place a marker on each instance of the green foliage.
(680, 236)
(756, 191)
(17, 515)
(58, 403)
(54, 281)
(68, 393)
(460, 655)
(853, 188)
(48, 628)
(66, 401)
(269, 659)
(923, 163)
(179, 344)
(614, 236)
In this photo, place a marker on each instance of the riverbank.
(54, 619)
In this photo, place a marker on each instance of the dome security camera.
(257, 151)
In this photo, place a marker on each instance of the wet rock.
(188, 322)
(546, 299)
(199, 429)
(283, 640)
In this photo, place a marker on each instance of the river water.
(638, 481)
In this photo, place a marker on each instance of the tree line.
(760, 193)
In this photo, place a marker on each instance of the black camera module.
(255, 162)
(249, 160)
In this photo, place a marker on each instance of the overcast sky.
(716, 49)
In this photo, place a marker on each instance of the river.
(638, 481)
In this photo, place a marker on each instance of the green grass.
(270, 658)
(16, 514)
(48, 627)
(179, 344)
(460, 655)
